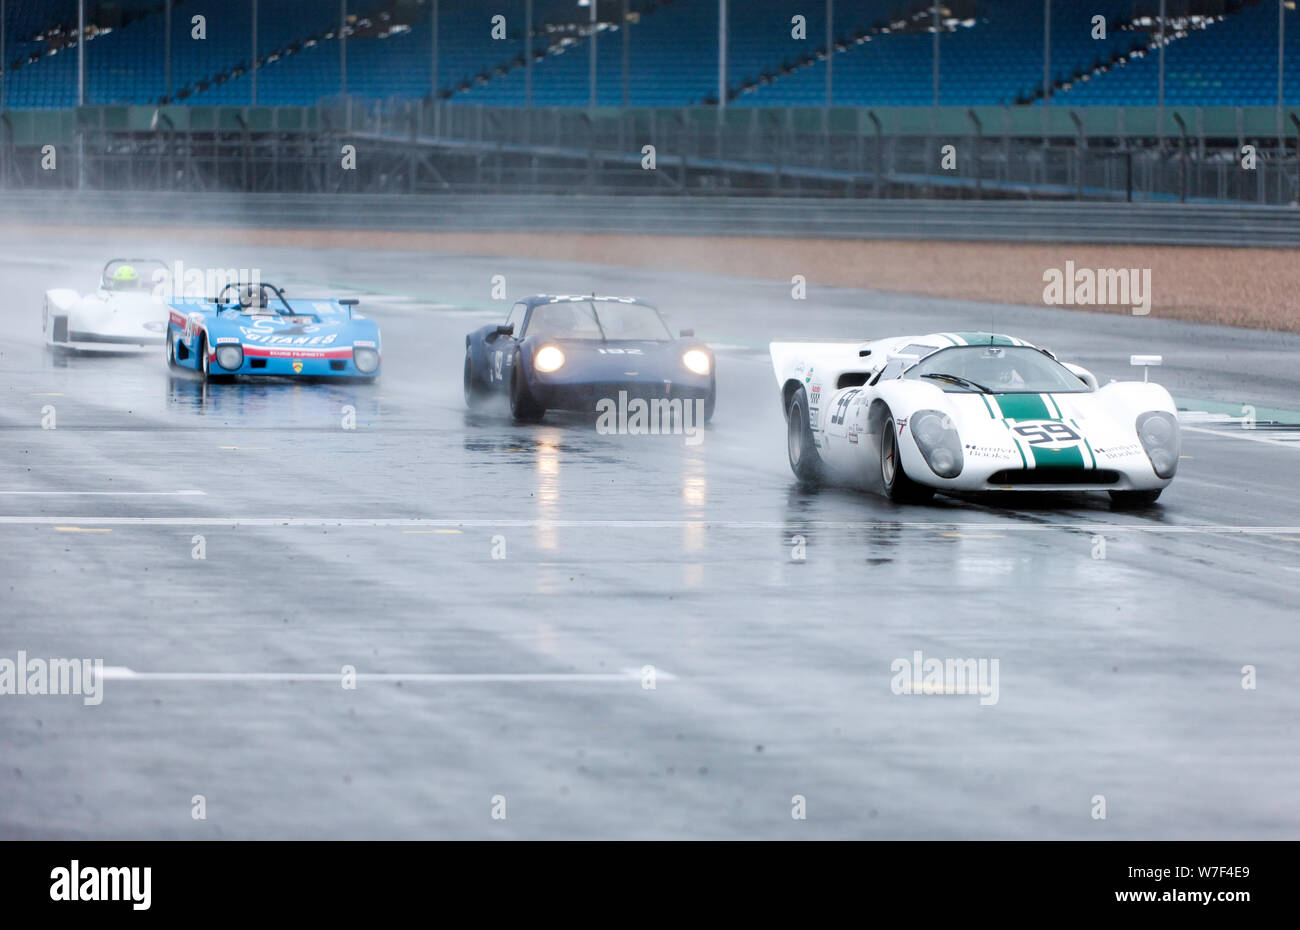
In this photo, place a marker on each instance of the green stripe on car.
(1023, 407)
(985, 339)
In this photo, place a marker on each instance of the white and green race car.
(968, 412)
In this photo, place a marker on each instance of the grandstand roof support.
(528, 53)
(1281, 125)
(1047, 52)
(343, 48)
(4, 78)
(81, 53)
(254, 52)
(591, 43)
(1281, 43)
(627, 53)
(935, 10)
(167, 49)
(433, 74)
(1160, 89)
(830, 53)
(722, 54)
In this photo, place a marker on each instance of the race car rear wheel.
(475, 393)
(523, 407)
(1129, 500)
(805, 462)
(171, 348)
(893, 478)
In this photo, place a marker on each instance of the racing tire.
(1132, 500)
(805, 462)
(523, 406)
(476, 395)
(893, 479)
(170, 348)
(205, 364)
(710, 402)
(205, 368)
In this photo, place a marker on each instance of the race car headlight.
(697, 361)
(548, 359)
(1158, 433)
(230, 357)
(937, 438)
(366, 360)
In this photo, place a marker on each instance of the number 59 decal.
(1039, 433)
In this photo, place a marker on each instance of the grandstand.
(661, 53)
(848, 97)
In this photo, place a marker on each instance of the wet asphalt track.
(1118, 677)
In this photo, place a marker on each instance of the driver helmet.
(125, 277)
(252, 295)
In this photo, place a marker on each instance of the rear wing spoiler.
(820, 361)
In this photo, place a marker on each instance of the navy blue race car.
(566, 353)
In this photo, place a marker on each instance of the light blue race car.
(254, 330)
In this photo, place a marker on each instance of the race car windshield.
(598, 320)
(995, 369)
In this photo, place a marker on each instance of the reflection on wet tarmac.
(546, 492)
(275, 403)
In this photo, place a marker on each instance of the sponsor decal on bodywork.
(298, 336)
(989, 452)
(259, 352)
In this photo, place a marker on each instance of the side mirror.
(507, 330)
(1145, 362)
(863, 353)
(686, 333)
(349, 301)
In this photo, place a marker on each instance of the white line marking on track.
(186, 493)
(1244, 434)
(122, 673)
(934, 526)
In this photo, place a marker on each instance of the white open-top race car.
(969, 412)
(121, 315)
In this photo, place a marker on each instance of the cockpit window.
(598, 320)
(996, 369)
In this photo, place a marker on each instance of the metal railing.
(1001, 220)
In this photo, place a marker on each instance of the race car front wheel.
(204, 365)
(893, 478)
(171, 348)
(804, 460)
(475, 393)
(1130, 500)
(523, 407)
